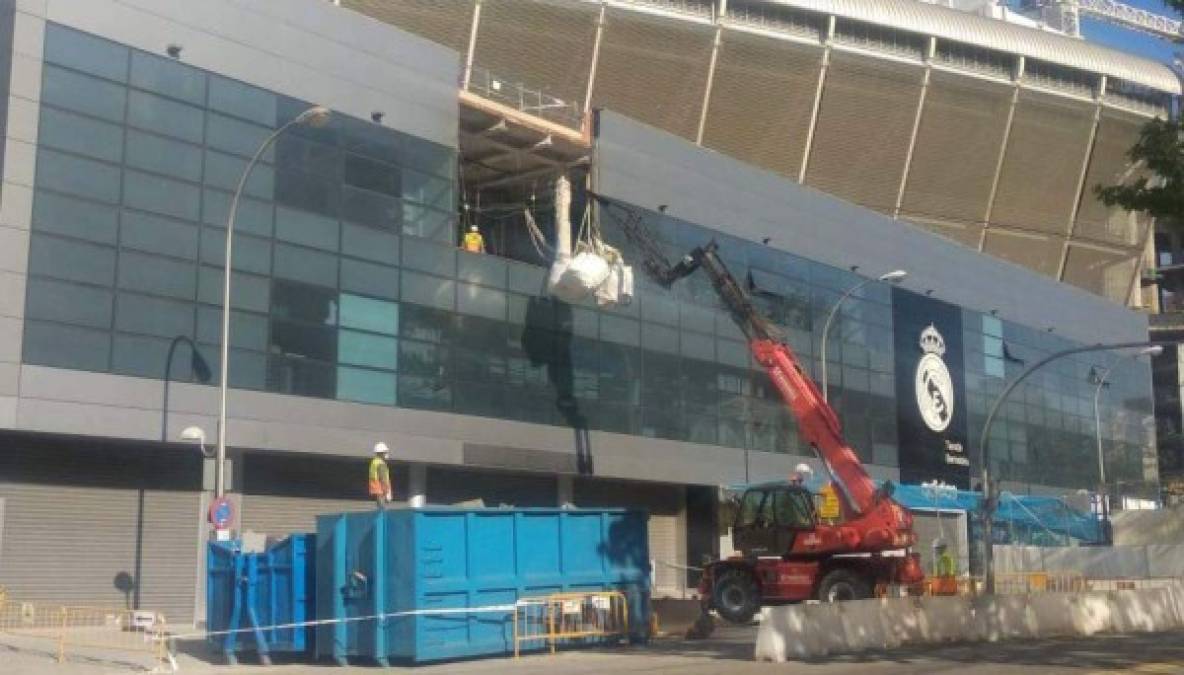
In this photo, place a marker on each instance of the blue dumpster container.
(375, 569)
(253, 599)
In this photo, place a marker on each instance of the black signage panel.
(930, 390)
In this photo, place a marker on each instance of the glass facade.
(347, 285)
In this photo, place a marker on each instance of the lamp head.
(895, 276)
(1153, 350)
(315, 117)
(193, 434)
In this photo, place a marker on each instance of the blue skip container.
(378, 572)
(249, 594)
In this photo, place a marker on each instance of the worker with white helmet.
(473, 241)
(801, 474)
(380, 476)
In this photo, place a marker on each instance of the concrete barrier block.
(902, 621)
(1093, 613)
(863, 626)
(675, 615)
(1144, 611)
(1004, 617)
(784, 633)
(825, 628)
(947, 618)
(1053, 613)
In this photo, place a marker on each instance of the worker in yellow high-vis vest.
(473, 241)
(380, 476)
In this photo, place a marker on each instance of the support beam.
(417, 486)
(1081, 192)
(1018, 77)
(595, 61)
(1143, 254)
(719, 30)
(468, 75)
(930, 50)
(827, 38)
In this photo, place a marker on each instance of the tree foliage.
(1160, 151)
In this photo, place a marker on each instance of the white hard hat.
(803, 468)
(472, 228)
(380, 448)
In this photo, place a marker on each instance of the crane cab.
(769, 518)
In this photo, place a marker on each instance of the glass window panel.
(372, 140)
(620, 330)
(82, 177)
(992, 326)
(487, 270)
(369, 314)
(253, 216)
(481, 301)
(247, 331)
(428, 190)
(62, 346)
(161, 155)
(71, 260)
(659, 309)
(150, 233)
(529, 279)
(425, 323)
(288, 109)
(308, 191)
(308, 304)
(365, 349)
(301, 377)
(371, 208)
(303, 340)
(294, 152)
(366, 386)
(69, 303)
(250, 254)
(427, 156)
(372, 175)
(247, 291)
(168, 77)
(82, 135)
(242, 100)
(146, 357)
(659, 338)
(424, 393)
(73, 217)
(428, 290)
(161, 195)
(225, 171)
(697, 346)
(161, 276)
(429, 257)
(164, 116)
(421, 221)
(84, 94)
(365, 242)
(307, 265)
(370, 279)
(85, 52)
(309, 229)
(248, 370)
(422, 359)
(153, 316)
(237, 137)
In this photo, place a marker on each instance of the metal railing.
(1022, 583)
(518, 96)
(570, 618)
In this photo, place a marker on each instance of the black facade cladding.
(927, 453)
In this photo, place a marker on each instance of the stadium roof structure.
(951, 24)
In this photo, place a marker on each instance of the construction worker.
(946, 567)
(801, 474)
(944, 580)
(380, 476)
(473, 241)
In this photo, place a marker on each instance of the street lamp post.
(892, 277)
(316, 116)
(989, 496)
(197, 363)
(1103, 497)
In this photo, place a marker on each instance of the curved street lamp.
(316, 116)
(989, 496)
(893, 277)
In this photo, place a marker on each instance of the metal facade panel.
(967, 234)
(1042, 166)
(653, 70)
(447, 22)
(543, 45)
(667, 529)
(863, 131)
(1106, 273)
(761, 101)
(1109, 165)
(1033, 251)
(957, 150)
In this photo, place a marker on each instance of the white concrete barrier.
(810, 631)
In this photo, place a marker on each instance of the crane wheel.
(843, 584)
(736, 596)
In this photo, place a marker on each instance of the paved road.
(729, 651)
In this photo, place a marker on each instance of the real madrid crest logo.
(935, 389)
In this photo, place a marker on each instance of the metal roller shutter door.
(72, 519)
(667, 526)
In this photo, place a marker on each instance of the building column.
(595, 59)
(1082, 189)
(930, 52)
(471, 51)
(1017, 79)
(565, 490)
(827, 37)
(417, 486)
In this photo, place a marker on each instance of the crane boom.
(817, 422)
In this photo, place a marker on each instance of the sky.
(1130, 41)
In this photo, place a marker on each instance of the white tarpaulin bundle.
(594, 269)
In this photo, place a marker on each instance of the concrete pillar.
(566, 490)
(417, 486)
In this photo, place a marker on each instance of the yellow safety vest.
(380, 478)
(474, 242)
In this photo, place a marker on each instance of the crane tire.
(736, 596)
(844, 584)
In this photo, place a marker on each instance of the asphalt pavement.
(728, 651)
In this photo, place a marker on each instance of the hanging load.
(594, 269)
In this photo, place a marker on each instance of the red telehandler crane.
(786, 552)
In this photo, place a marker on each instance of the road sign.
(221, 513)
